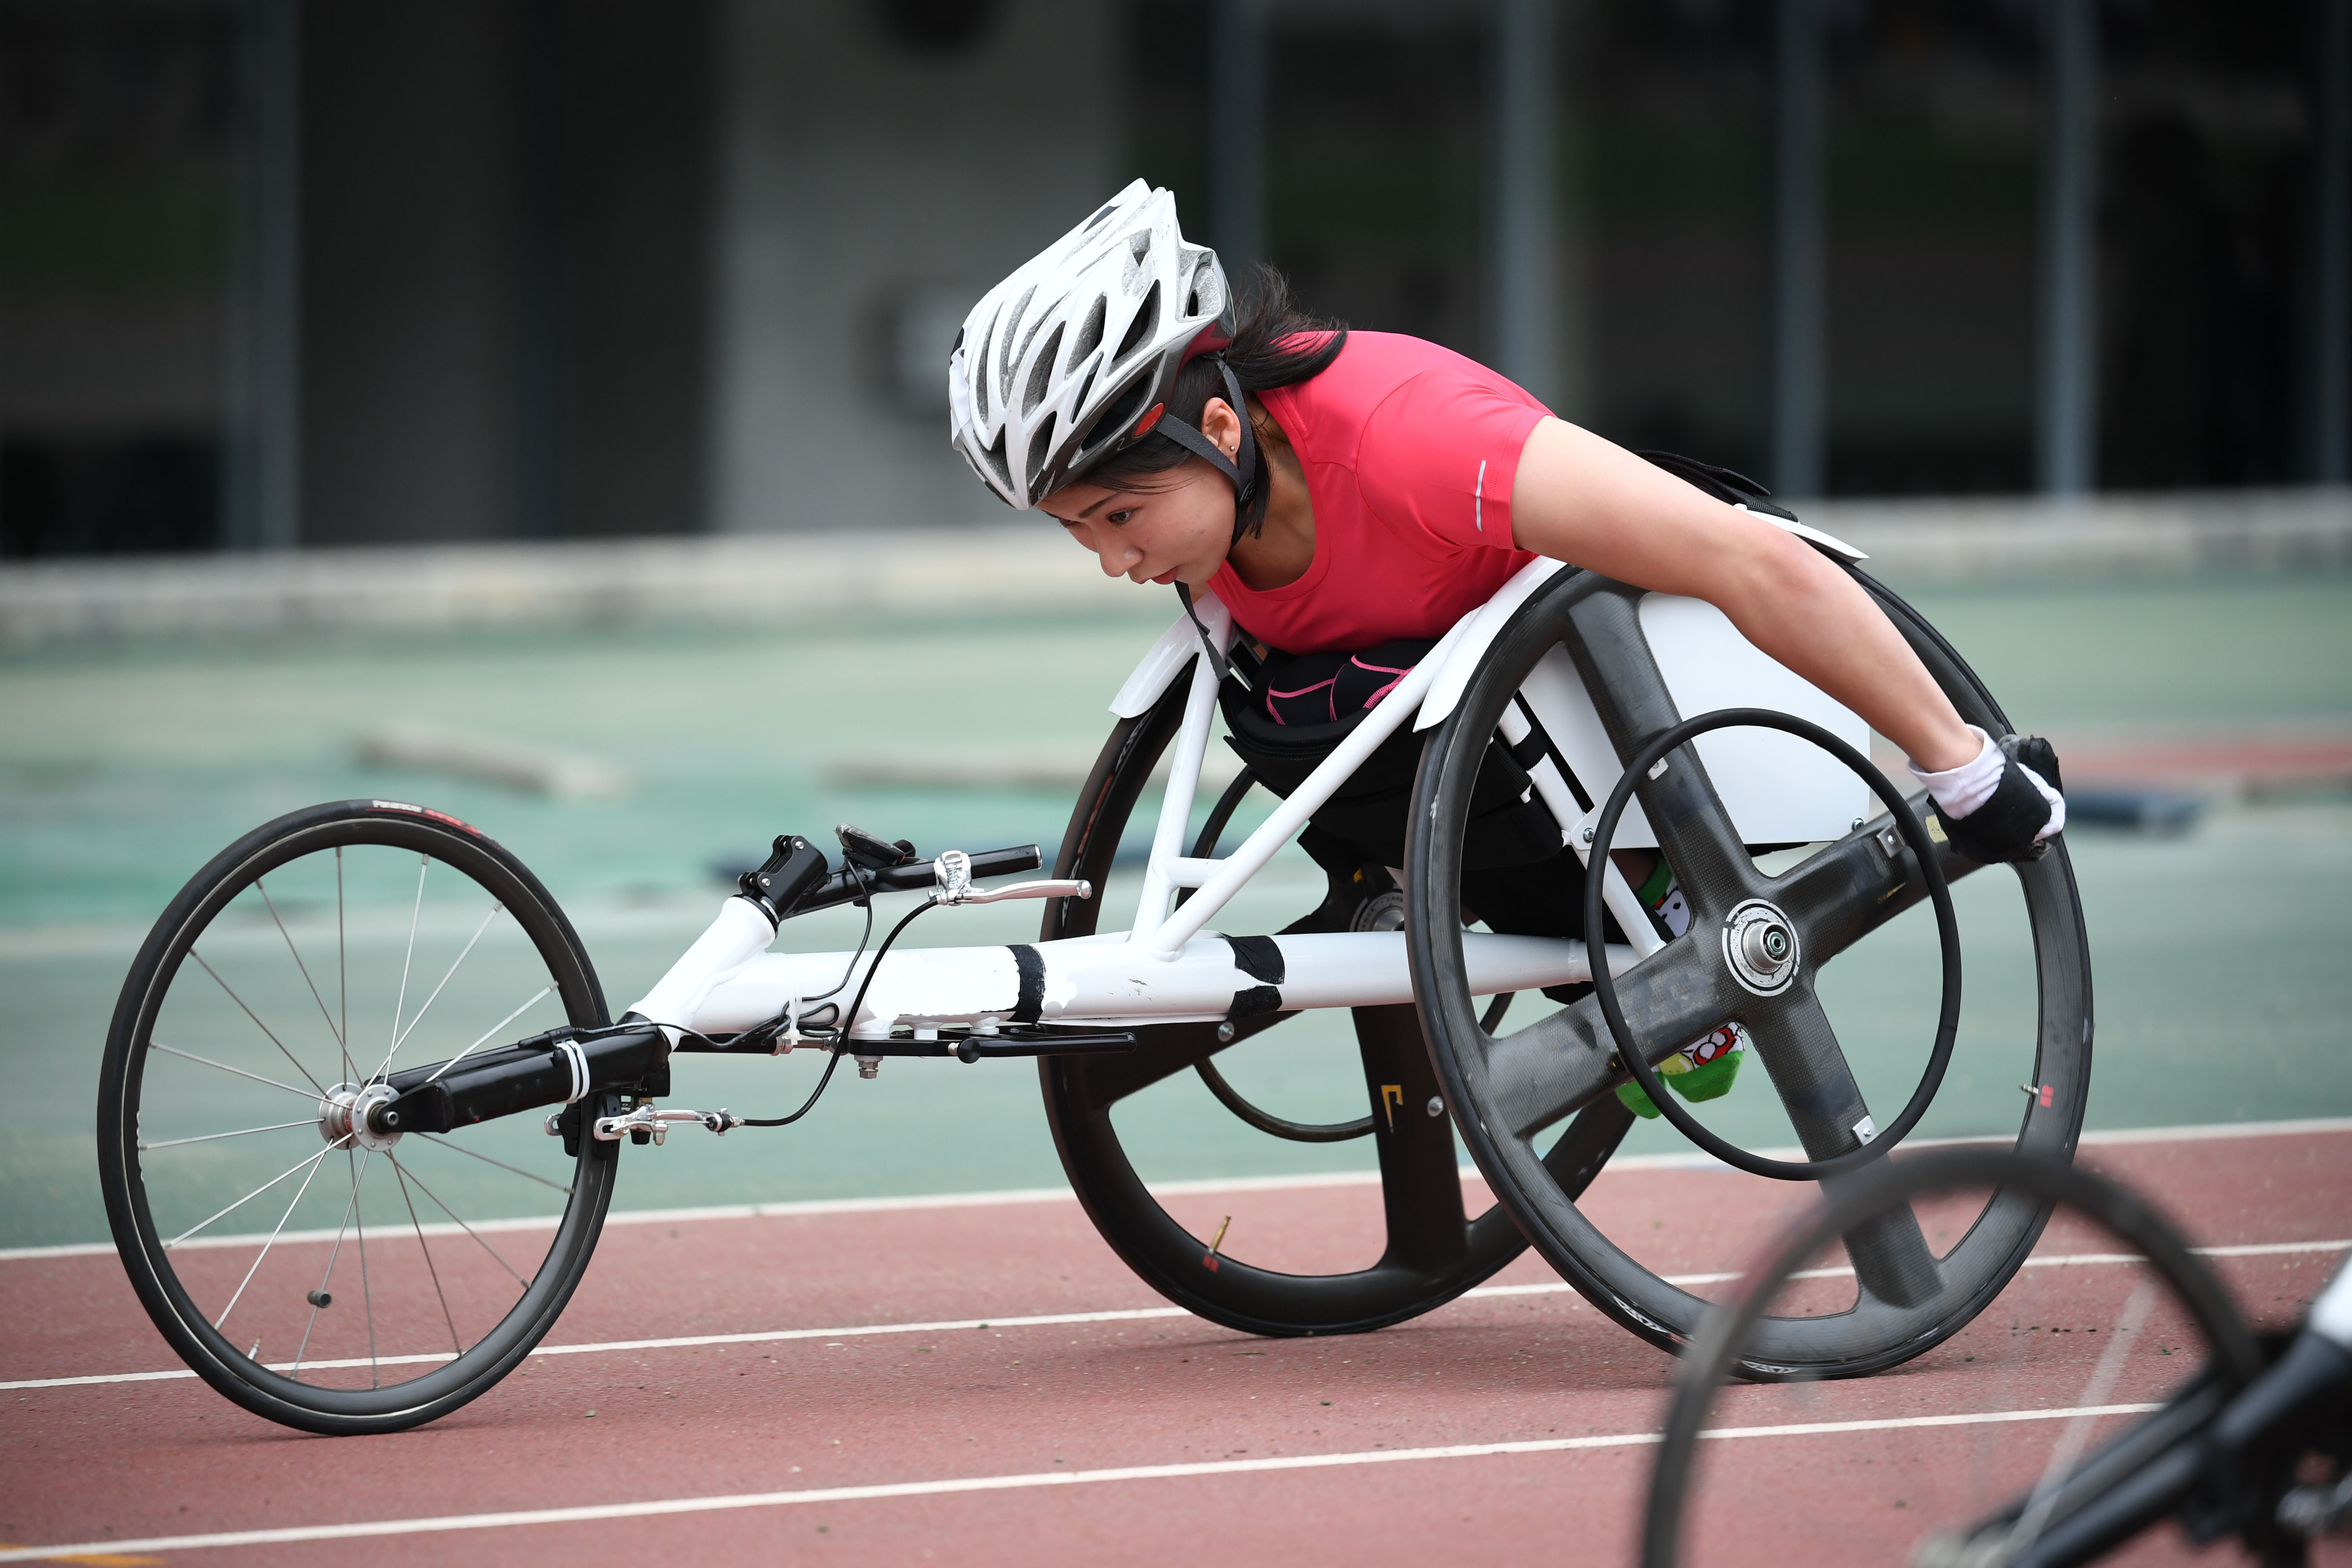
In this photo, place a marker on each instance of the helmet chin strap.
(1249, 495)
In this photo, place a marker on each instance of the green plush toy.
(1702, 1070)
(1705, 1069)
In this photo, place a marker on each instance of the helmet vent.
(1147, 320)
(1090, 332)
(1040, 374)
(1005, 354)
(1039, 445)
(1208, 294)
(1084, 387)
(993, 456)
(980, 367)
(1122, 410)
(1108, 207)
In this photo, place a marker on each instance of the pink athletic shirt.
(1410, 451)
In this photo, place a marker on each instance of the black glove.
(2025, 803)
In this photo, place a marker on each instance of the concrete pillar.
(1522, 248)
(1800, 313)
(2330, 437)
(2066, 456)
(538, 274)
(262, 401)
(1237, 132)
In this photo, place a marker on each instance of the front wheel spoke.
(343, 968)
(457, 1346)
(495, 1029)
(291, 1205)
(1561, 1063)
(207, 1061)
(460, 1224)
(257, 1192)
(401, 1037)
(367, 1290)
(271, 904)
(240, 1133)
(333, 1253)
(441, 1142)
(408, 960)
(258, 1023)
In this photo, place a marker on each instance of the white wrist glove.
(1958, 792)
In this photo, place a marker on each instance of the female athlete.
(1350, 496)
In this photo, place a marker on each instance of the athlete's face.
(1176, 527)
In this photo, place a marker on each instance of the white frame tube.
(1096, 980)
(1166, 935)
(1159, 883)
(1615, 891)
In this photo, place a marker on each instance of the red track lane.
(130, 1461)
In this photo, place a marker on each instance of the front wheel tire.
(328, 1278)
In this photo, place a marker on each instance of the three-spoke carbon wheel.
(317, 1273)
(1514, 1087)
(1434, 1250)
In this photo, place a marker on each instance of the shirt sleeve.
(1440, 453)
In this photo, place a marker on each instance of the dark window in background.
(505, 268)
(2207, 127)
(117, 146)
(1665, 114)
(1376, 136)
(1933, 197)
(504, 250)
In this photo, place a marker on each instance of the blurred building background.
(276, 273)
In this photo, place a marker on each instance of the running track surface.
(1512, 1417)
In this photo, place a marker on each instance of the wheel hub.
(1760, 946)
(345, 1112)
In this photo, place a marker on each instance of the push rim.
(1434, 1251)
(1514, 1086)
(1947, 937)
(481, 1276)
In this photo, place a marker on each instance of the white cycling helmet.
(1075, 355)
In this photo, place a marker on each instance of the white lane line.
(596, 1512)
(1109, 1315)
(1624, 1164)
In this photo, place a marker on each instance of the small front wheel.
(323, 1274)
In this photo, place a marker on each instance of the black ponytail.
(1276, 345)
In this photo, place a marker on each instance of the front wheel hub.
(351, 1110)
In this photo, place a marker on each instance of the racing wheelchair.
(363, 1098)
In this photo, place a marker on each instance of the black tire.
(246, 1022)
(1433, 1252)
(2075, 1503)
(1516, 1086)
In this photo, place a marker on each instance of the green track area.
(2221, 992)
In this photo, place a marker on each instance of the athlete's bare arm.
(1582, 499)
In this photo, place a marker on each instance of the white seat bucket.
(1778, 788)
